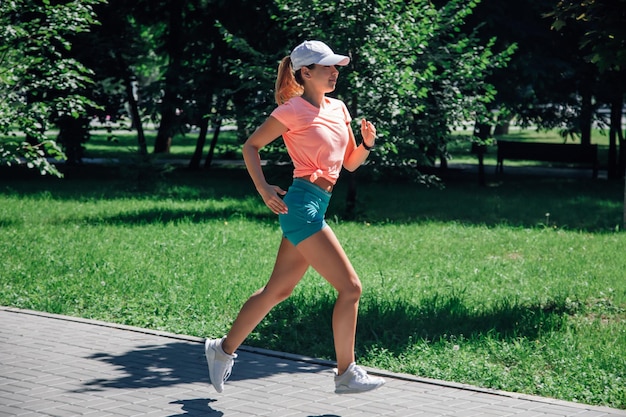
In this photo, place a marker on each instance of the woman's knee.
(352, 289)
(277, 295)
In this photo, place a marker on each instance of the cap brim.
(335, 59)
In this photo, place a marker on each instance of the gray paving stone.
(62, 366)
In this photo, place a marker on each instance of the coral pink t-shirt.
(317, 138)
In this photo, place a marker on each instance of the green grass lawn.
(516, 286)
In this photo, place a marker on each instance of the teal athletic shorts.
(306, 207)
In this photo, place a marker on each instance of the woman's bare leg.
(325, 254)
(289, 268)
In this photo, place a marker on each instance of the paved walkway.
(54, 365)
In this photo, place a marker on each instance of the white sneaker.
(356, 380)
(220, 363)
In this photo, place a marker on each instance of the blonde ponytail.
(286, 84)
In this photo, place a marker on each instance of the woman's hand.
(368, 132)
(271, 197)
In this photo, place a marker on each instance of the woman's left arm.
(358, 154)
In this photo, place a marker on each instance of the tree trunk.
(586, 114)
(621, 159)
(483, 132)
(217, 126)
(216, 133)
(134, 114)
(443, 160)
(73, 133)
(622, 164)
(168, 107)
(133, 105)
(194, 163)
(163, 140)
(502, 128)
(614, 128)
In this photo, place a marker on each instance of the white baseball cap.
(315, 52)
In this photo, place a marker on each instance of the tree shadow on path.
(180, 362)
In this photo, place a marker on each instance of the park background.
(512, 281)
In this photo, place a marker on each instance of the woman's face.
(323, 77)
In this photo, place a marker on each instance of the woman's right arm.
(265, 134)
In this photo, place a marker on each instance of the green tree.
(39, 82)
(195, 86)
(126, 65)
(413, 71)
(211, 55)
(252, 61)
(141, 49)
(603, 43)
(544, 82)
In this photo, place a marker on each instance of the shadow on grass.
(106, 182)
(516, 201)
(440, 317)
(304, 324)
